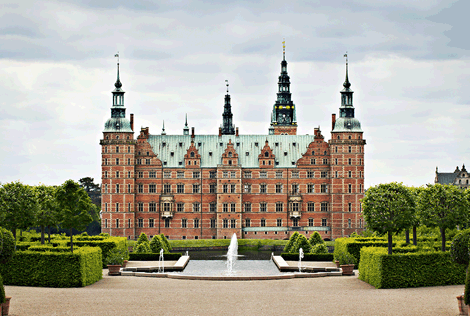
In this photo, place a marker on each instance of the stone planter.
(124, 263)
(347, 269)
(337, 263)
(6, 306)
(114, 269)
(463, 309)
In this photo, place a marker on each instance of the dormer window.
(163, 144)
(172, 154)
(256, 144)
(221, 144)
(210, 153)
(192, 154)
(199, 144)
(230, 154)
(266, 154)
(294, 144)
(181, 144)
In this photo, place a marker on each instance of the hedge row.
(409, 269)
(53, 269)
(105, 245)
(153, 256)
(308, 256)
(249, 243)
(49, 248)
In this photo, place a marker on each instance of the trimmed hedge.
(105, 245)
(408, 269)
(153, 256)
(353, 246)
(308, 256)
(49, 248)
(248, 243)
(54, 269)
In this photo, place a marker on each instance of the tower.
(347, 166)
(117, 152)
(283, 117)
(227, 126)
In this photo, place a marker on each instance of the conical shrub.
(142, 238)
(301, 242)
(315, 239)
(156, 244)
(291, 242)
(166, 243)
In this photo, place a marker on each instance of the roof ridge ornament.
(284, 49)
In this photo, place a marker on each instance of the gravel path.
(161, 296)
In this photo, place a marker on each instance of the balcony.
(168, 214)
(295, 214)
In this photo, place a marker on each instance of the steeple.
(284, 112)
(118, 121)
(186, 127)
(227, 127)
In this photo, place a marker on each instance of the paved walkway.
(160, 296)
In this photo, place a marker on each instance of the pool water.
(240, 268)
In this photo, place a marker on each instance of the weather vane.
(226, 83)
(284, 47)
(346, 56)
(117, 55)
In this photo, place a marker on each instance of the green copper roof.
(347, 124)
(211, 147)
(118, 124)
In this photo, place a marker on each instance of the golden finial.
(284, 48)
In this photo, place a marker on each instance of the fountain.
(301, 255)
(161, 262)
(232, 254)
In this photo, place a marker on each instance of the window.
(247, 207)
(311, 207)
(279, 207)
(196, 175)
(212, 222)
(279, 222)
(233, 223)
(195, 188)
(324, 174)
(263, 222)
(213, 207)
(225, 174)
(167, 188)
(196, 223)
(225, 223)
(310, 222)
(140, 207)
(262, 188)
(166, 207)
(117, 174)
(263, 174)
(212, 174)
(225, 207)
(117, 188)
(278, 188)
(167, 174)
(196, 207)
(350, 207)
(295, 207)
(180, 174)
(129, 207)
(350, 161)
(247, 188)
(140, 188)
(349, 149)
(336, 161)
(232, 207)
(247, 174)
(152, 207)
(295, 222)
(278, 174)
(184, 223)
(311, 188)
(247, 222)
(295, 174)
(151, 222)
(232, 188)
(147, 161)
(128, 174)
(295, 188)
(167, 223)
(152, 188)
(180, 188)
(140, 174)
(213, 188)
(324, 206)
(232, 174)
(310, 174)
(262, 207)
(350, 174)
(349, 223)
(180, 207)
(324, 188)
(349, 188)
(128, 188)
(325, 161)
(225, 188)
(117, 207)
(247, 153)
(360, 187)
(140, 222)
(129, 223)
(117, 161)
(360, 222)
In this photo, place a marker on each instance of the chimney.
(132, 121)
(192, 132)
(236, 132)
(333, 121)
(220, 131)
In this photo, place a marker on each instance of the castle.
(192, 186)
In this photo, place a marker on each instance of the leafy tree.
(315, 239)
(142, 238)
(75, 206)
(18, 206)
(94, 192)
(291, 242)
(443, 206)
(415, 191)
(388, 208)
(48, 212)
(301, 242)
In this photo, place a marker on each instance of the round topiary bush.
(7, 245)
(459, 248)
(315, 239)
(156, 244)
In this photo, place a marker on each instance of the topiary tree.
(156, 244)
(319, 248)
(459, 250)
(2, 293)
(291, 242)
(142, 238)
(166, 243)
(315, 239)
(301, 242)
(7, 245)
(143, 247)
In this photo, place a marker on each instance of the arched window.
(266, 154)
(230, 154)
(349, 223)
(192, 154)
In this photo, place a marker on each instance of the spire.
(118, 83)
(186, 127)
(227, 127)
(284, 49)
(163, 129)
(346, 83)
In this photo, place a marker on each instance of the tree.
(443, 206)
(388, 208)
(18, 206)
(415, 191)
(94, 192)
(74, 207)
(47, 214)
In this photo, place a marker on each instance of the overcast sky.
(408, 68)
